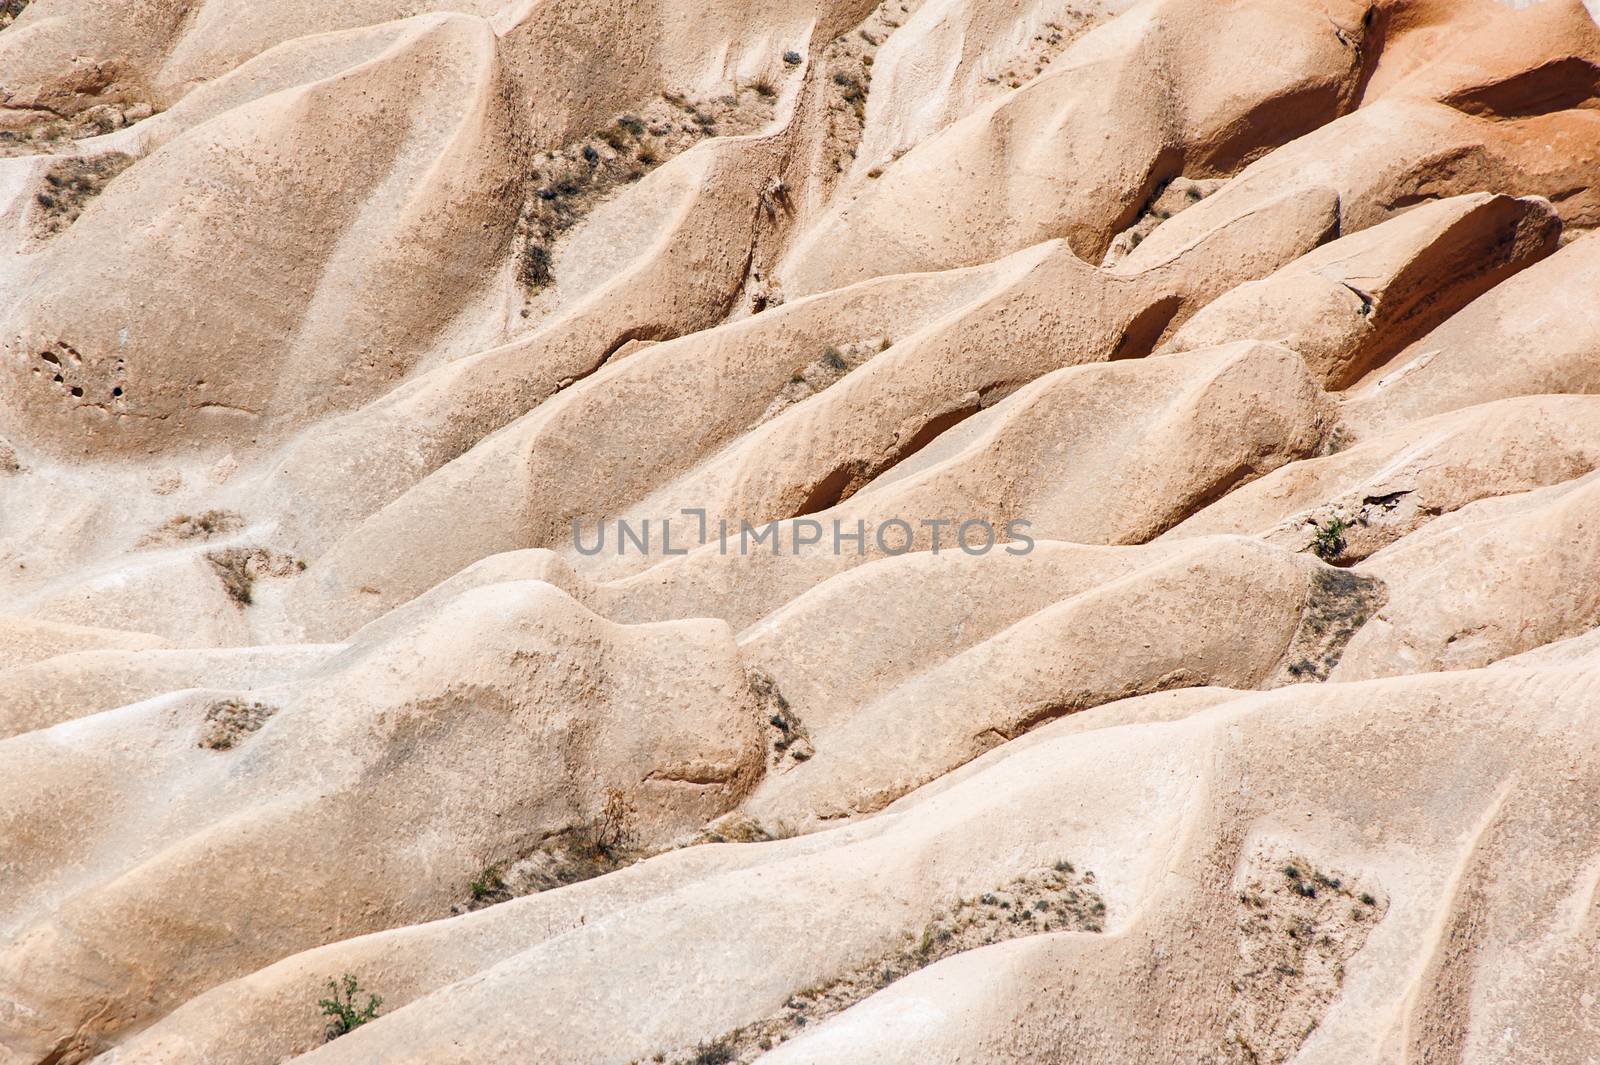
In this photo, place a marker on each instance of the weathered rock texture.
(1208, 395)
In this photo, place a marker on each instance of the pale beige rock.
(953, 55)
(81, 683)
(1196, 808)
(389, 723)
(1353, 303)
(1577, 650)
(27, 640)
(1105, 474)
(973, 692)
(101, 361)
(1394, 483)
(1493, 579)
(1535, 334)
(1399, 152)
(321, 325)
(1034, 165)
(853, 430)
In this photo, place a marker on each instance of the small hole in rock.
(76, 391)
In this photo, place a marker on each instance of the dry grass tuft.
(1057, 899)
(229, 721)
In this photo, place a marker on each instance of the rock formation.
(807, 531)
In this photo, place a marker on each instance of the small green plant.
(1329, 542)
(343, 1016)
(488, 884)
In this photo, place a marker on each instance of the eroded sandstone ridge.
(1256, 342)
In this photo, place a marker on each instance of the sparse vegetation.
(717, 1052)
(229, 721)
(1329, 538)
(55, 134)
(240, 567)
(341, 1010)
(739, 827)
(854, 91)
(848, 60)
(1054, 900)
(535, 267)
(1167, 199)
(609, 833)
(489, 886)
(202, 526)
(567, 183)
(70, 184)
(1338, 604)
(787, 738)
(233, 567)
(602, 844)
(1336, 439)
(1297, 925)
(212, 521)
(827, 370)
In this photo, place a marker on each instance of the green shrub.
(488, 884)
(343, 1016)
(1330, 539)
